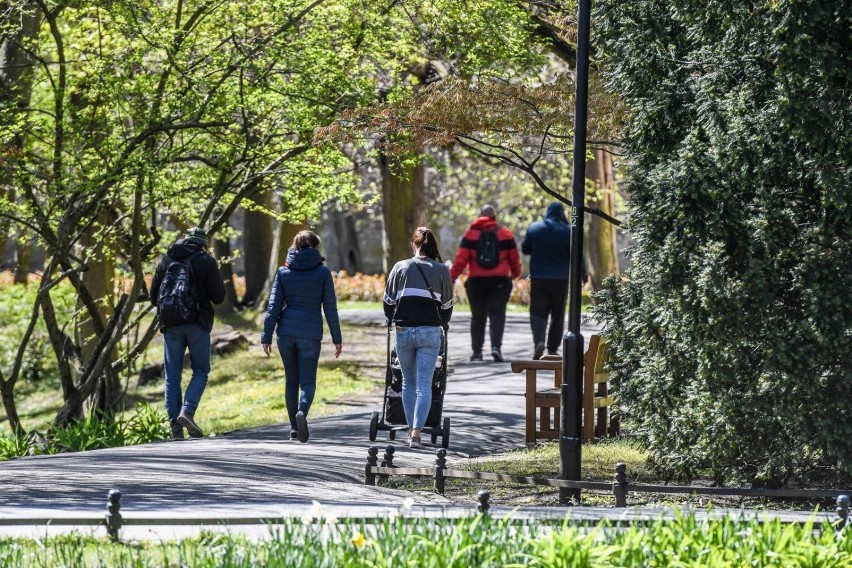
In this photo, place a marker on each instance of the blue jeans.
(177, 340)
(301, 358)
(417, 349)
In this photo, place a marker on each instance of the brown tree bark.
(22, 262)
(258, 239)
(403, 208)
(222, 252)
(602, 255)
(16, 75)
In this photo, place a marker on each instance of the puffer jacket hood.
(303, 292)
(183, 248)
(556, 211)
(483, 224)
(303, 259)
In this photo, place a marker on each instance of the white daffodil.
(408, 504)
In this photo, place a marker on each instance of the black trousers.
(488, 297)
(548, 299)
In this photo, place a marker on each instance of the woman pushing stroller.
(418, 301)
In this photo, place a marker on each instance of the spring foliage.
(731, 333)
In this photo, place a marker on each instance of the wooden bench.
(541, 423)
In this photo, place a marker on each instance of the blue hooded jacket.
(302, 286)
(548, 242)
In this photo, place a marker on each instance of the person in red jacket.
(489, 282)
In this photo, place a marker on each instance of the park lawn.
(245, 389)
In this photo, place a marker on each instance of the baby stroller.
(392, 417)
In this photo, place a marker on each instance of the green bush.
(97, 431)
(731, 334)
(144, 424)
(13, 446)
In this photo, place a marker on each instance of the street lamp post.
(571, 394)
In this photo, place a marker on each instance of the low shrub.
(143, 425)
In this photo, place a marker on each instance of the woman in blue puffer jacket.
(302, 286)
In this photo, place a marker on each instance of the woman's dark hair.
(424, 240)
(305, 239)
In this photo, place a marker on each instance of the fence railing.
(379, 472)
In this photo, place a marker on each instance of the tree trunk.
(99, 280)
(258, 237)
(7, 391)
(222, 251)
(16, 77)
(342, 245)
(602, 255)
(403, 207)
(22, 262)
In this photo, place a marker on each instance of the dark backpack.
(177, 303)
(488, 248)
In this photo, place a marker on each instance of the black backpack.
(488, 248)
(177, 303)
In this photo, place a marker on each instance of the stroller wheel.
(445, 434)
(392, 435)
(374, 426)
(434, 438)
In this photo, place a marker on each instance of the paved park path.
(260, 472)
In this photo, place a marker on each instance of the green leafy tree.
(145, 111)
(731, 333)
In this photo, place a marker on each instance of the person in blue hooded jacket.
(303, 287)
(548, 242)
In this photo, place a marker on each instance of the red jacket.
(510, 260)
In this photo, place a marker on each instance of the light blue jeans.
(177, 340)
(417, 349)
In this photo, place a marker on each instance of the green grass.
(237, 399)
(245, 389)
(598, 464)
(461, 543)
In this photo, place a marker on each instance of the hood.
(183, 248)
(483, 223)
(556, 211)
(303, 259)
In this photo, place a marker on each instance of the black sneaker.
(539, 350)
(294, 435)
(177, 432)
(476, 357)
(185, 419)
(495, 352)
(302, 433)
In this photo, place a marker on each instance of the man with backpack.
(185, 285)
(489, 253)
(548, 242)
